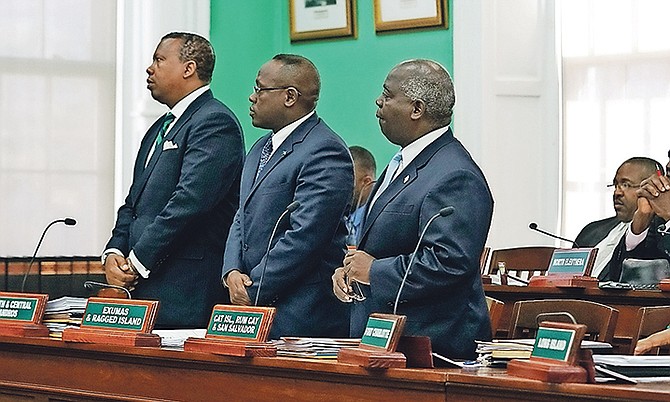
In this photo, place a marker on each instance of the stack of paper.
(63, 312)
(175, 338)
(499, 352)
(504, 350)
(318, 348)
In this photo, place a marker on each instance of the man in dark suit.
(301, 160)
(443, 296)
(608, 234)
(170, 232)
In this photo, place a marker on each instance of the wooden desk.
(627, 302)
(47, 370)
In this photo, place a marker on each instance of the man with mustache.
(301, 159)
(607, 235)
(168, 240)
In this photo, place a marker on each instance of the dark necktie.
(265, 156)
(169, 118)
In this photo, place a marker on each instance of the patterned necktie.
(390, 172)
(265, 156)
(169, 118)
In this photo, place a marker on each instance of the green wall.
(247, 33)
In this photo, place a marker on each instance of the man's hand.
(357, 265)
(642, 216)
(341, 287)
(656, 189)
(119, 273)
(237, 285)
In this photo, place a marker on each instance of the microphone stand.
(446, 211)
(91, 284)
(290, 208)
(68, 222)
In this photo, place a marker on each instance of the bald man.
(301, 159)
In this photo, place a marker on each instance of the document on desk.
(175, 338)
(635, 366)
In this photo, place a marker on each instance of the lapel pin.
(405, 180)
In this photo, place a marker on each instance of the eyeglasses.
(258, 89)
(625, 186)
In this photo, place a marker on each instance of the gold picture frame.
(391, 15)
(318, 19)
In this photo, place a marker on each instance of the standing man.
(365, 171)
(176, 217)
(607, 234)
(443, 296)
(301, 160)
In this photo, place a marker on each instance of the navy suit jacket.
(595, 232)
(179, 209)
(443, 296)
(312, 166)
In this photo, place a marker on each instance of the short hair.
(198, 49)
(363, 158)
(648, 165)
(301, 71)
(428, 81)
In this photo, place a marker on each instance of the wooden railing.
(56, 276)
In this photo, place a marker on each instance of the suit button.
(245, 247)
(134, 215)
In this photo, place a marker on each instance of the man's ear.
(190, 68)
(418, 109)
(291, 97)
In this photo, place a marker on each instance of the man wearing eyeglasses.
(651, 224)
(607, 235)
(301, 160)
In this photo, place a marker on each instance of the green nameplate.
(115, 315)
(240, 323)
(378, 332)
(576, 262)
(235, 324)
(15, 308)
(553, 343)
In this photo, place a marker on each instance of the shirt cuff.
(141, 269)
(109, 251)
(633, 240)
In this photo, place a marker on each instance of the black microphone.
(68, 222)
(91, 284)
(533, 226)
(290, 208)
(446, 211)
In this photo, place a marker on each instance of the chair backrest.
(483, 260)
(495, 313)
(522, 262)
(599, 319)
(650, 320)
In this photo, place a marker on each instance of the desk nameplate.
(21, 314)
(116, 322)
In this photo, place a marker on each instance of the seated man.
(365, 170)
(607, 235)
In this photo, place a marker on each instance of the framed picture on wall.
(316, 19)
(407, 14)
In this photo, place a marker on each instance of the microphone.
(290, 208)
(533, 226)
(68, 222)
(446, 211)
(91, 284)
